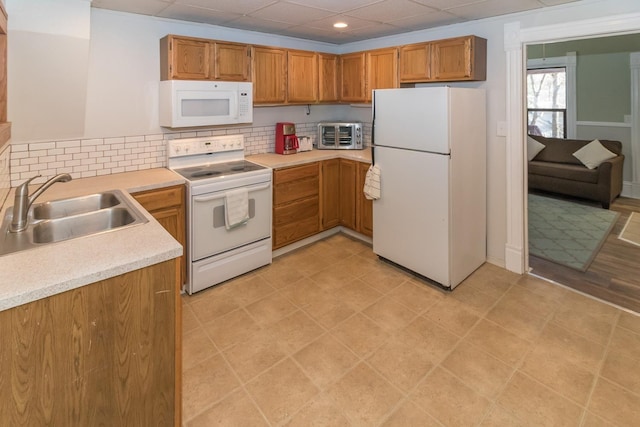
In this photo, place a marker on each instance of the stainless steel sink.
(76, 205)
(66, 219)
(70, 227)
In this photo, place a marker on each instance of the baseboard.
(316, 237)
(304, 242)
(631, 189)
(514, 259)
(497, 262)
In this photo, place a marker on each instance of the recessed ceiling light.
(340, 25)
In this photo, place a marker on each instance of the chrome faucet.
(23, 200)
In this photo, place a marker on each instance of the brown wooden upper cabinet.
(461, 58)
(328, 81)
(352, 77)
(190, 58)
(232, 62)
(415, 63)
(382, 69)
(269, 75)
(456, 59)
(302, 76)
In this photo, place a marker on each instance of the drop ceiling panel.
(314, 19)
(336, 6)
(490, 8)
(241, 7)
(435, 19)
(197, 14)
(389, 10)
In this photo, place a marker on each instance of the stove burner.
(217, 170)
(204, 173)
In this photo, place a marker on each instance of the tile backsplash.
(103, 156)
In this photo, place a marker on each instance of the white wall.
(123, 71)
(48, 53)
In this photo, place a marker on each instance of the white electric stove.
(212, 167)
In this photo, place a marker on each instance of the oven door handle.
(221, 196)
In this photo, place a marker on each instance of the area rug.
(631, 231)
(567, 233)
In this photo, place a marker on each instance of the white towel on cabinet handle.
(372, 183)
(236, 206)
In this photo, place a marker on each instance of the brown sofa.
(555, 169)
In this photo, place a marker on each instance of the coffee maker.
(286, 139)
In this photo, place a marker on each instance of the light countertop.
(275, 161)
(41, 272)
(58, 267)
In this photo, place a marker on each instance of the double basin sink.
(65, 219)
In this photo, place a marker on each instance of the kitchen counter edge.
(276, 161)
(42, 272)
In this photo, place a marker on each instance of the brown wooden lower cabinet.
(296, 203)
(330, 193)
(104, 354)
(348, 172)
(167, 205)
(318, 196)
(364, 207)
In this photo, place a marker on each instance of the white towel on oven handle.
(236, 207)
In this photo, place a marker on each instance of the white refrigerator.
(430, 146)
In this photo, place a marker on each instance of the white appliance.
(214, 168)
(188, 103)
(430, 146)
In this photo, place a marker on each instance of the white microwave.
(189, 103)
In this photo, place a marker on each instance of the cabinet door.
(188, 58)
(348, 173)
(352, 77)
(415, 63)
(328, 90)
(461, 58)
(382, 69)
(364, 207)
(232, 62)
(302, 76)
(269, 68)
(330, 193)
(167, 207)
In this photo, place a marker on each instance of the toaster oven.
(340, 136)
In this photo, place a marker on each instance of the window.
(547, 102)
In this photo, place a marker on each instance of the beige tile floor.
(330, 336)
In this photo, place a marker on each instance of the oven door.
(208, 233)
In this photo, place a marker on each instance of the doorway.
(516, 38)
(589, 81)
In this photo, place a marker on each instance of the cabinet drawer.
(296, 190)
(290, 233)
(296, 221)
(159, 199)
(297, 211)
(282, 176)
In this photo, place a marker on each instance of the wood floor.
(614, 274)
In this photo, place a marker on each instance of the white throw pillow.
(592, 154)
(533, 148)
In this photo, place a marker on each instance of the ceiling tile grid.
(314, 19)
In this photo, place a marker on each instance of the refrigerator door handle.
(373, 128)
